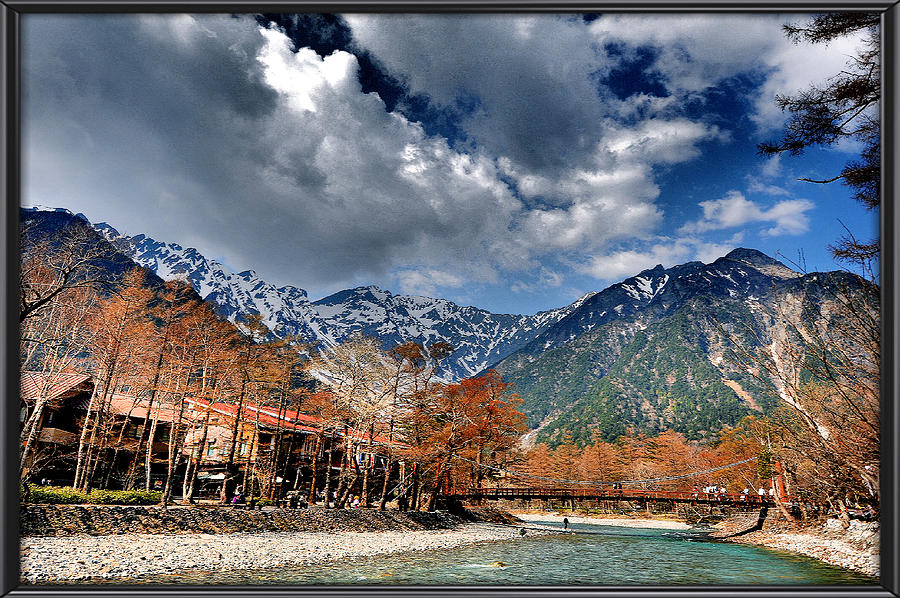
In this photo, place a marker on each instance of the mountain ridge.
(655, 351)
(478, 336)
(644, 354)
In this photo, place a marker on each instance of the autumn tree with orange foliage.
(474, 418)
(641, 461)
(119, 351)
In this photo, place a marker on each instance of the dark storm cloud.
(208, 132)
(437, 150)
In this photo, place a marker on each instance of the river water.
(599, 555)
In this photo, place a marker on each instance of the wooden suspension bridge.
(478, 495)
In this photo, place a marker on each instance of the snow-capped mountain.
(743, 273)
(479, 337)
(657, 351)
(651, 353)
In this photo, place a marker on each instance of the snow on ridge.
(632, 292)
(480, 337)
(646, 286)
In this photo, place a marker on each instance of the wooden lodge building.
(278, 447)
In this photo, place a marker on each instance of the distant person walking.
(565, 523)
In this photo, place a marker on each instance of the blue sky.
(508, 162)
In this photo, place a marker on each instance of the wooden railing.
(624, 494)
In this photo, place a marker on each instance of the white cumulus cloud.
(787, 217)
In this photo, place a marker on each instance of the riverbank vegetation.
(54, 495)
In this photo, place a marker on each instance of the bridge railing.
(616, 494)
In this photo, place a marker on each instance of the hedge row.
(66, 496)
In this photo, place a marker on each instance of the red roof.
(249, 413)
(35, 385)
(288, 414)
(290, 419)
(134, 407)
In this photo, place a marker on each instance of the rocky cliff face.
(658, 350)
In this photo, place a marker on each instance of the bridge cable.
(596, 483)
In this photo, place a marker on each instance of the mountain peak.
(107, 230)
(760, 261)
(39, 208)
(657, 269)
(752, 256)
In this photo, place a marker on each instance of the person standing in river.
(565, 523)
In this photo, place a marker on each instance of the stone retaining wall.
(67, 520)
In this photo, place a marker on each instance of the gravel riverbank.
(855, 548)
(83, 558)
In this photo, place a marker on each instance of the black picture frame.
(10, 161)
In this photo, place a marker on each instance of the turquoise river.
(594, 555)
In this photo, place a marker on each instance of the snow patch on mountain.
(480, 338)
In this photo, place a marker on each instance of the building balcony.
(57, 436)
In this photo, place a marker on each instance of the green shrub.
(125, 497)
(55, 495)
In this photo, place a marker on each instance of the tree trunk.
(414, 494)
(311, 497)
(253, 446)
(442, 468)
(191, 478)
(117, 449)
(844, 516)
(384, 485)
(187, 486)
(365, 487)
(365, 483)
(132, 473)
(328, 458)
(79, 463)
(26, 451)
(148, 457)
(105, 432)
(174, 447)
(382, 501)
(346, 494)
(352, 483)
(342, 472)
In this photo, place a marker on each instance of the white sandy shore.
(82, 558)
(643, 523)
